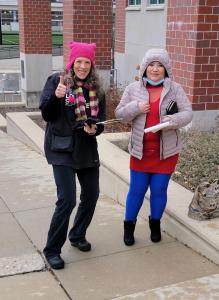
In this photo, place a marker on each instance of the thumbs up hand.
(61, 88)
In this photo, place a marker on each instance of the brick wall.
(120, 26)
(193, 44)
(89, 21)
(35, 26)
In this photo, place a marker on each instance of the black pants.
(65, 180)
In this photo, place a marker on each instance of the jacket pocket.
(62, 143)
(172, 108)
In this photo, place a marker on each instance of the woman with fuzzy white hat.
(152, 100)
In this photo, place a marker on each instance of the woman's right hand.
(91, 130)
(61, 88)
(144, 107)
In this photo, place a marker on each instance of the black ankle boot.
(155, 230)
(129, 228)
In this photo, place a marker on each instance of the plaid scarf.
(76, 97)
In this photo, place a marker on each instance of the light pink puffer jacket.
(128, 110)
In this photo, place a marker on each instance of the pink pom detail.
(71, 99)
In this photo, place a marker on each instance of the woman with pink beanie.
(72, 105)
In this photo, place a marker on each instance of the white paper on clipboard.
(156, 127)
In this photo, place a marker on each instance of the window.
(57, 20)
(154, 2)
(134, 2)
(9, 16)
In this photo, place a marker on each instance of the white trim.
(133, 7)
(155, 7)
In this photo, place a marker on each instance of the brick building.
(189, 30)
(35, 48)
(9, 15)
(83, 21)
(90, 22)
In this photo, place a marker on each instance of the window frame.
(135, 4)
(151, 4)
(155, 6)
(136, 7)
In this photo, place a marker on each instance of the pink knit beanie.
(80, 50)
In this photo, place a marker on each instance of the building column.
(120, 39)
(193, 44)
(120, 24)
(90, 22)
(35, 48)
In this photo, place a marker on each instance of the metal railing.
(7, 96)
(10, 87)
(13, 51)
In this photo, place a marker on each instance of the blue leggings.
(139, 183)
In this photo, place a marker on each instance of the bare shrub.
(113, 96)
(199, 160)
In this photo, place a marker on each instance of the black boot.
(129, 228)
(155, 230)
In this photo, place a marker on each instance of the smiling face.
(82, 67)
(155, 71)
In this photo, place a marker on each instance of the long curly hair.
(91, 80)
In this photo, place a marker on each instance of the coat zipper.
(177, 138)
(161, 141)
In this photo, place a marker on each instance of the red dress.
(151, 162)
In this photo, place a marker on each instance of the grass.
(57, 39)
(10, 39)
(13, 39)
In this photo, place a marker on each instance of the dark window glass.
(157, 2)
(134, 2)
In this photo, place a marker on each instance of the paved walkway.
(167, 270)
(146, 271)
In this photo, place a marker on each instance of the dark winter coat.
(65, 143)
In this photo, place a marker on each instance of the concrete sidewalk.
(167, 270)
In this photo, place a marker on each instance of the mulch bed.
(112, 98)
